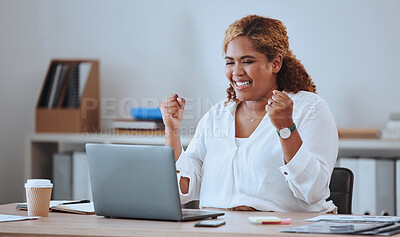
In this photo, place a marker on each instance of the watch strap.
(292, 128)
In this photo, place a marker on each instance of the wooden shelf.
(373, 148)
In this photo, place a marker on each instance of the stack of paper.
(356, 219)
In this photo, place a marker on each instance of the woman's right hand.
(172, 111)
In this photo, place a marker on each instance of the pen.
(75, 202)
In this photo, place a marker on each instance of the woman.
(272, 145)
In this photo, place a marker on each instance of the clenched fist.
(280, 110)
(172, 111)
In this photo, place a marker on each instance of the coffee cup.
(38, 195)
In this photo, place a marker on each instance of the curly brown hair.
(269, 36)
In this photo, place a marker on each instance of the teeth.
(239, 83)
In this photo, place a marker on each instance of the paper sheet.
(4, 218)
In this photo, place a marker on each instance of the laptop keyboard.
(194, 213)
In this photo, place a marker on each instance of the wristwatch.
(285, 133)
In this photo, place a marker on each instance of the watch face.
(285, 133)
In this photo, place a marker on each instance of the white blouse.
(225, 172)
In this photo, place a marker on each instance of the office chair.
(341, 187)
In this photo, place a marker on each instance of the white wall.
(150, 49)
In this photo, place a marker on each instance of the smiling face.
(250, 73)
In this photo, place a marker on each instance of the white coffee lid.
(38, 183)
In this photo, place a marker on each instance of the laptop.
(137, 181)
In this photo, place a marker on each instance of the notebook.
(137, 181)
(84, 207)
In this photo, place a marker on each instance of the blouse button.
(285, 173)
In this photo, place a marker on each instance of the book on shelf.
(76, 84)
(146, 113)
(372, 133)
(72, 99)
(140, 132)
(65, 84)
(137, 124)
(56, 84)
(392, 128)
(62, 176)
(81, 188)
(388, 134)
(71, 176)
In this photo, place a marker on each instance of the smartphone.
(209, 223)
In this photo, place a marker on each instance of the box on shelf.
(137, 124)
(70, 97)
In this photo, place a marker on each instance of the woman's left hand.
(280, 110)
